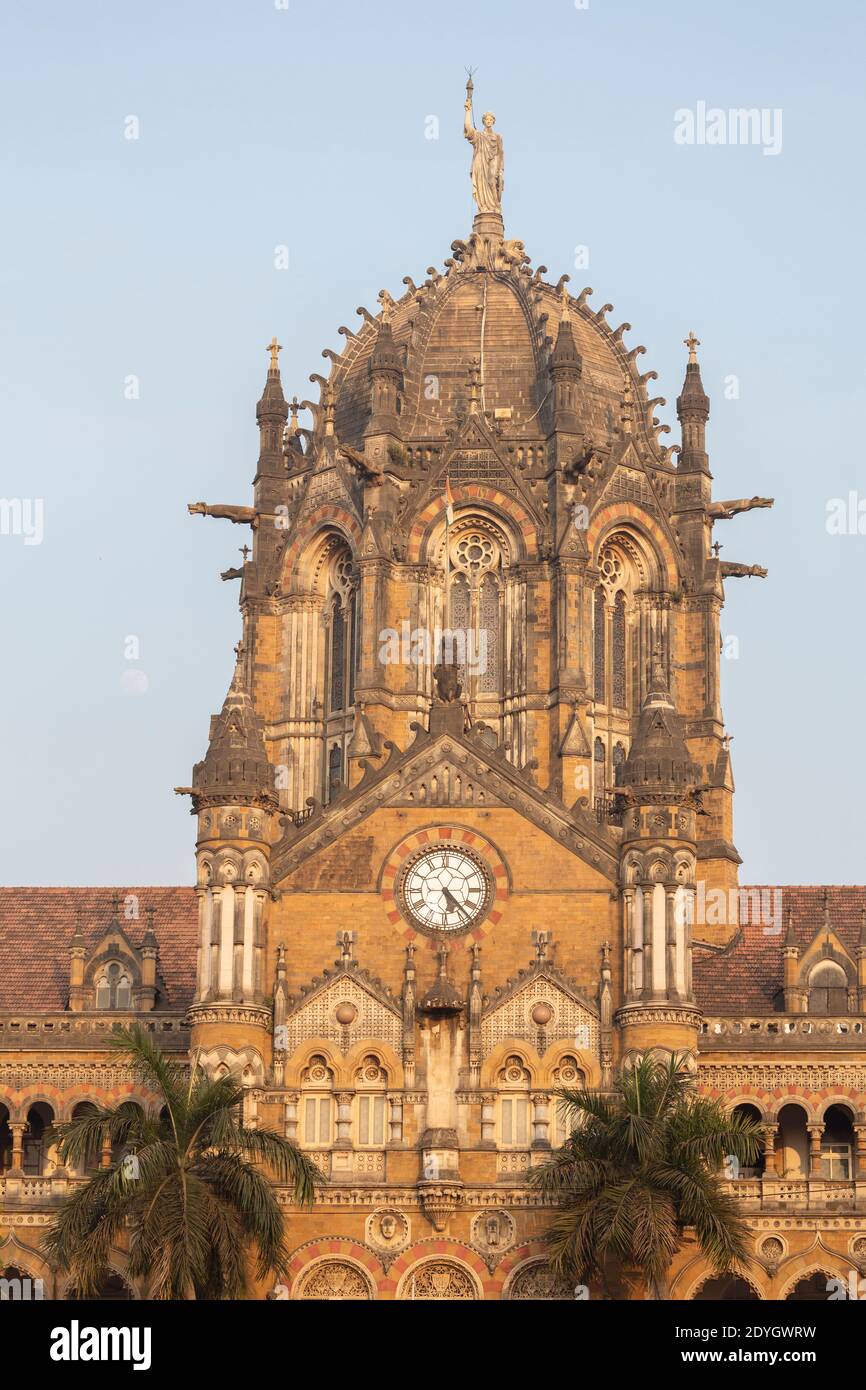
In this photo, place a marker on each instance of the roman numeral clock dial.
(446, 889)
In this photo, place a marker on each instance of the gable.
(572, 1019)
(316, 1017)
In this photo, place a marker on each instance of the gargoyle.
(367, 469)
(729, 570)
(232, 574)
(241, 516)
(723, 511)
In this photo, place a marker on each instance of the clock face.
(445, 889)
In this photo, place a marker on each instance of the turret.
(658, 788)
(386, 381)
(271, 416)
(693, 412)
(235, 801)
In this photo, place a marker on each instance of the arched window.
(618, 761)
(371, 1121)
(514, 1117)
(39, 1154)
(475, 562)
(599, 769)
(337, 655)
(598, 645)
(828, 989)
(618, 644)
(113, 988)
(317, 1109)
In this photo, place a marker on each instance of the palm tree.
(642, 1164)
(188, 1187)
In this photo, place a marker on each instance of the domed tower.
(234, 800)
(658, 788)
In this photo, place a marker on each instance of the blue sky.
(306, 127)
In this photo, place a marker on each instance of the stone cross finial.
(115, 905)
(274, 348)
(245, 551)
(442, 954)
(294, 407)
(541, 941)
(346, 943)
(692, 343)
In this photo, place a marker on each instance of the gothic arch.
(337, 1248)
(641, 530)
(318, 528)
(510, 513)
(471, 1272)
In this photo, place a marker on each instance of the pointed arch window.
(475, 609)
(598, 645)
(338, 655)
(618, 650)
(113, 989)
(599, 765)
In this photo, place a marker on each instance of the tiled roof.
(37, 924)
(747, 976)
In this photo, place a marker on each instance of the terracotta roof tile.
(37, 924)
(747, 977)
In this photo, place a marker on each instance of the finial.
(346, 941)
(274, 348)
(387, 302)
(245, 551)
(475, 384)
(541, 941)
(294, 407)
(565, 302)
(115, 905)
(442, 954)
(692, 343)
(826, 909)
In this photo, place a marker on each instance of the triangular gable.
(572, 1017)
(471, 765)
(378, 1015)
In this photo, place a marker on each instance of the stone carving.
(335, 1279)
(323, 1015)
(513, 1018)
(440, 1279)
(492, 1231)
(538, 1281)
(387, 1230)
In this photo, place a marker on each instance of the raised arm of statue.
(468, 128)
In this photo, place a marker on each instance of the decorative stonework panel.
(492, 1231)
(768, 1077)
(335, 1279)
(440, 1279)
(387, 1230)
(536, 1280)
(567, 1018)
(317, 1018)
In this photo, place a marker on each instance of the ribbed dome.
(506, 323)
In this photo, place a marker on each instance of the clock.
(446, 889)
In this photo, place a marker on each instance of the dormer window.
(113, 990)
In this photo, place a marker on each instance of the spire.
(659, 766)
(443, 996)
(386, 378)
(235, 767)
(693, 412)
(271, 415)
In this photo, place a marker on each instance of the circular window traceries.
(474, 551)
(612, 568)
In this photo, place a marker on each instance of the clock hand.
(452, 902)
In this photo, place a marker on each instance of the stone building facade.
(438, 877)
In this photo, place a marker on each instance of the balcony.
(786, 1195)
(794, 1032)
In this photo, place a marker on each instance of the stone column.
(859, 1152)
(105, 1153)
(771, 1158)
(816, 1133)
(292, 1103)
(395, 1122)
(17, 1147)
(672, 982)
(540, 1122)
(344, 1121)
(488, 1121)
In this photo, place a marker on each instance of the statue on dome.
(488, 160)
